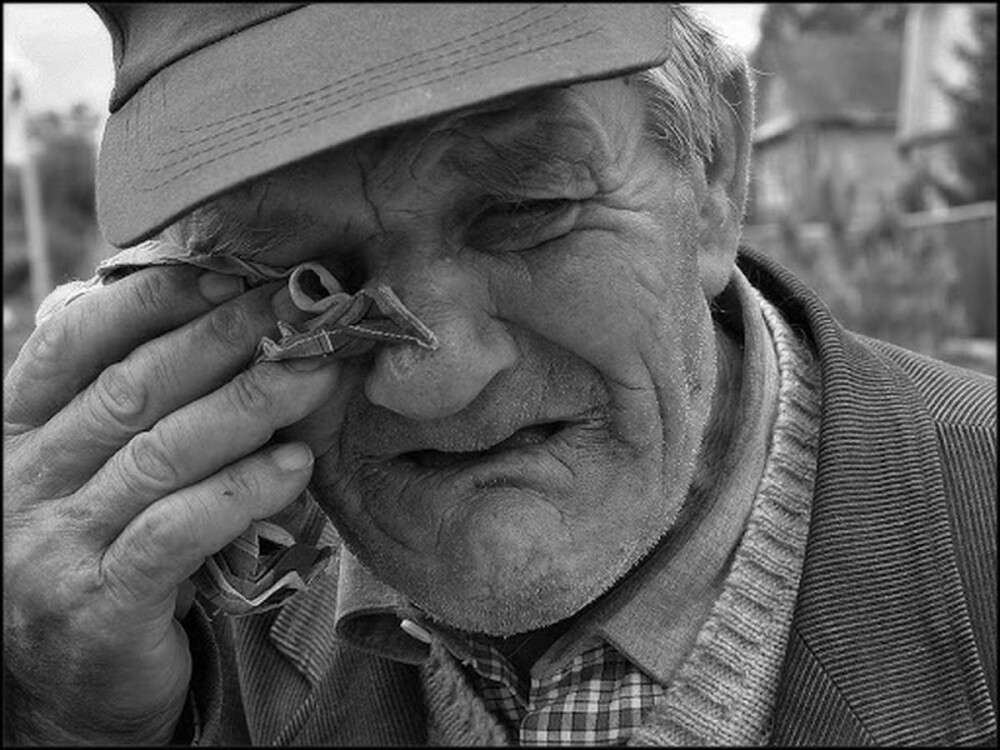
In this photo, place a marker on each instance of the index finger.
(71, 347)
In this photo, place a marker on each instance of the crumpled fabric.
(347, 324)
(276, 557)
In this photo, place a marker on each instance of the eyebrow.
(555, 150)
(552, 152)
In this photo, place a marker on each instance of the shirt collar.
(369, 614)
(653, 615)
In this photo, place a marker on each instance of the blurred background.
(874, 174)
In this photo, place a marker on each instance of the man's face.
(511, 476)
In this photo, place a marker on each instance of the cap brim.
(323, 75)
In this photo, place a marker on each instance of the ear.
(726, 176)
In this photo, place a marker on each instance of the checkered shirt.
(598, 698)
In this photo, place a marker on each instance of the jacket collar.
(864, 665)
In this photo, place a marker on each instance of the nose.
(473, 347)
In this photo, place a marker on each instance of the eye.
(512, 225)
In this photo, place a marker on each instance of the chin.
(515, 532)
(514, 567)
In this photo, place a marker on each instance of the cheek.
(618, 304)
(630, 304)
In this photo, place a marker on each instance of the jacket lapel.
(282, 658)
(301, 686)
(881, 649)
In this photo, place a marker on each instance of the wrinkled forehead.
(519, 136)
(552, 120)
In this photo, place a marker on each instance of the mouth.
(526, 437)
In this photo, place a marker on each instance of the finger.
(156, 379)
(166, 543)
(69, 348)
(195, 441)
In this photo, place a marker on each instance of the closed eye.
(512, 225)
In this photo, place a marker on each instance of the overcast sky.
(68, 52)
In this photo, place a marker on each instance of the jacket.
(893, 637)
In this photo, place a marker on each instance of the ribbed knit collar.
(653, 615)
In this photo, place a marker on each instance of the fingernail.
(217, 287)
(292, 457)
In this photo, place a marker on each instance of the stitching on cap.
(367, 83)
(328, 113)
(365, 86)
(367, 90)
(339, 105)
(403, 61)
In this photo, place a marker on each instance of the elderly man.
(460, 287)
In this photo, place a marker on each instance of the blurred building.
(854, 180)
(933, 33)
(827, 96)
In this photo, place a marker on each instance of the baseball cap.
(208, 96)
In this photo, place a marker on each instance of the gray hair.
(684, 96)
(685, 93)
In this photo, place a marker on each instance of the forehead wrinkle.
(523, 140)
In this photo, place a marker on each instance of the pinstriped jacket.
(893, 638)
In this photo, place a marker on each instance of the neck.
(718, 451)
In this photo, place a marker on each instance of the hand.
(135, 445)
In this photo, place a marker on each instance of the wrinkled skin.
(136, 442)
(124, 467)
(584, 311)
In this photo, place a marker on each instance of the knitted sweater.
(724, 691)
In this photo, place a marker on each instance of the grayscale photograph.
(500, 374)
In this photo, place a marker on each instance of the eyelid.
(556, 217)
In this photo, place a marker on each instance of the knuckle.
(231, 325)
(250, 395)
(147, 463)
(119, 397)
